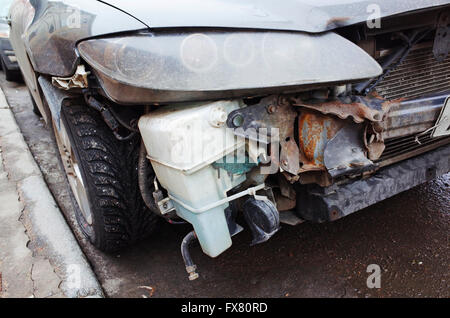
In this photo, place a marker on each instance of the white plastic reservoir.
(182, 142)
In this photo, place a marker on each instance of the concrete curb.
(48, 231)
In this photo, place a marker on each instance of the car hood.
(296, 15)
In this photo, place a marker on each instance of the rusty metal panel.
(315, 130)
(359, 108)
(345, 153)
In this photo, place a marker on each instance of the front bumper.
(329, 204)
(188, 142)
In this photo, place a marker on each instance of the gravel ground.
(407, 236)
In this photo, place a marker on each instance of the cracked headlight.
(170, 67)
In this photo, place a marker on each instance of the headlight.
(183, 66)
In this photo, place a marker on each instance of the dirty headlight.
(227, 61)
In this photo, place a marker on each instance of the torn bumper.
(346, 138)
(187, 142)
(329, 204)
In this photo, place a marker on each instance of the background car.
(8, 60)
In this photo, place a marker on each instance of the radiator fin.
(418, 75)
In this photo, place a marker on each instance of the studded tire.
(107, 178)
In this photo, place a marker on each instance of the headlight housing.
(192, 65)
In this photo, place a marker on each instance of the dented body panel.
(48, 31)
(305, 15)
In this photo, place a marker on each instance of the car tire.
(102, 173)
(11, 76)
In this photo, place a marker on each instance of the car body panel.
(47, 31)
(51, 29)
(295, 15)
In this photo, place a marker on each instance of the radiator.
(424, 84)
(420, 74)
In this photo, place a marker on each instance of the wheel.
(102, 174)
(10, 75)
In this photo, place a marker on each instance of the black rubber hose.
(188, 239)
(145, 185)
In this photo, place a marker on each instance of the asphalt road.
(407, 236)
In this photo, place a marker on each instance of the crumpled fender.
(50, 30)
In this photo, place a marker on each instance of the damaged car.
(212, 112)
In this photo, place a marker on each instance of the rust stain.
(315, 130)
(372, 108)
(309, 139)
(337, 21)
(290, 155)
(356, 110)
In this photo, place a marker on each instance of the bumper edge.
(389, 181)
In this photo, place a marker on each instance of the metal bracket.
(344, 153)
(249, 191)
(442, 40)
(442, 127)
(165, 205)
(272, 120)
(272, 112)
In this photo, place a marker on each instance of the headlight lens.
(226, 61)
(198, 53)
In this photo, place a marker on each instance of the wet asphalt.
(406, 235)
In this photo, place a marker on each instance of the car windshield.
(4, 7)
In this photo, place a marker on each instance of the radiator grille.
(418, 75)
(400, 148)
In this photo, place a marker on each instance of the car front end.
(285, 124)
